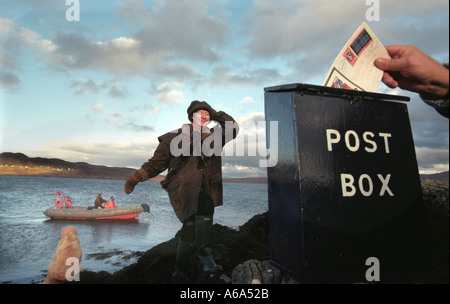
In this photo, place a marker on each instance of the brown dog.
(67, 252)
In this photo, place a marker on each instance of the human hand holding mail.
(354, 68)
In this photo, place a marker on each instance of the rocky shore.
(244, 253)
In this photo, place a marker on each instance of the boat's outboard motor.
(146, 208)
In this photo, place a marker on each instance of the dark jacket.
(440, 104)
(99, 201)
(192, 172)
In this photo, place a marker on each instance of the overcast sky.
(102, 89)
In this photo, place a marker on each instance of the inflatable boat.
(64, 210)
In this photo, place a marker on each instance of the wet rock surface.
(231, 248)
(435, 198)
(244, 253)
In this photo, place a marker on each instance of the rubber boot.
(203, 234)
(184, 251)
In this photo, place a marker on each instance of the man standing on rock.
(192, 155)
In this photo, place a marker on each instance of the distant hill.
(20, 164)
(443, 176)
(246, 180)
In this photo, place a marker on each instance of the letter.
(211, 295)
(373, 273)
(193, 294)
(373, 13)
(371, 142)
(386, 141)
(361, 185)
(273, 150)
(354, 148)
(196, 144)
(73, 273)
(227, 294)
(202, 294)
(183, 294)
(73, 12)
(331, 140)
(212, 145)
(385, 185)
(182, 138)
(251, 132)
(261, 141)
(231, 131)
(347, 182)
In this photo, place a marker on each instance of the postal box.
(345, 199)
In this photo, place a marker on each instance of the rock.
(435, 199)
(257, 272)
(435, 196)
(231, 248)
(244, 253)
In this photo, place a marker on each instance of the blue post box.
(345, 199)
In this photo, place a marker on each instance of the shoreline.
(231, 180)
(249, 245)
(234, 246)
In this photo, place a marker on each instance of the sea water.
(28, 239)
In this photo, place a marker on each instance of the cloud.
(241, 77)
(309, 34)
(176, 70)
(180, 29)
(432, 160)
(289, 27)
(233, 170)
(97, 108)
(88, 86)
(120, 55)
(144, 108)
(9, 80)
(116, 92)
(169, 32)
(138, 128)
(253, 117)
(75, 51)
(133, 154)
(85, 86)
(178, 46)
(125, 121)
(122, 122)
(247, 100)
(15, 37)
(14, 40)
(243, 155)
(167, 93)
(130, 153)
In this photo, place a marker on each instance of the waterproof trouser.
(184, 251)
(204, 237)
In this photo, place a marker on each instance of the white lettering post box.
(346, 189)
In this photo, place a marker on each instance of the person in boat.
(193, 181)
(98, 204)
(111, 204)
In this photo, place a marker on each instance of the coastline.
(248, 248)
